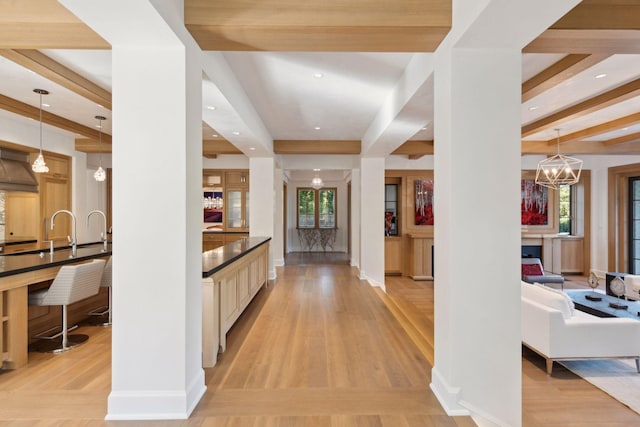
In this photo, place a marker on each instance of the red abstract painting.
(424, 202)
(533, 203)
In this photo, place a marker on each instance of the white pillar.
(157, 160)
(279, 225)
(355, 218)
(372, 220)
(262, 201)
(477, 206)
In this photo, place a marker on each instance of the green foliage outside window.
(327, 211)
(565, 209)
(306, 208)
(316, 208)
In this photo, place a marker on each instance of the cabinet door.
(21, 215)
(55, 195)
(212, 241)
(237, 210)
(237, 178)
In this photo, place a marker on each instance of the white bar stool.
(72, 283)
(105, 309)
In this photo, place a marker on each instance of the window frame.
(316, 207)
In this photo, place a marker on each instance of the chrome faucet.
(73, 242)
(103, 233)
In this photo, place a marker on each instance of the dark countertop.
(216, 259)
(17, 263)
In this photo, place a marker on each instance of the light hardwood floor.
(317, 348)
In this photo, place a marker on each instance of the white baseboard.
(447, 395)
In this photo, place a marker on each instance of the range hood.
(16, 173)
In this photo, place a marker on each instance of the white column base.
(156, 405)
(447, 395)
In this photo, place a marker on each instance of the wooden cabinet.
(239, 178)
(421, 261)
(55, 194)
(21, 215)
(215, 240)
(572, 256)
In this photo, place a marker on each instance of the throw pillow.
(531, 270)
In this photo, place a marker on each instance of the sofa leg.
(550, 366)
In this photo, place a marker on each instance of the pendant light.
(100, 174)
(39, 166)
(558, 170)
(316, 182)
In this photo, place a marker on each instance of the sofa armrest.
(538, 323)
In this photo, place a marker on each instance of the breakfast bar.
(231, 276)
(17, 272)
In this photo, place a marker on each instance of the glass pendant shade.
(316, 182)
(100, 175)
(558, 170)
(39, 165)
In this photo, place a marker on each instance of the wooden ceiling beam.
(582, 147)
(92, 146)
(559, 72)
(27, 110)
(215, 147)
(44, 24)
(622, 139)
(609, 126)
(52, 70)
(606, 99)
(593, 26)
(329, 25)
(414, 149)
(316, 147)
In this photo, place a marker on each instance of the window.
(390, 209)
(634, 225)
(317, 208)
(566, 208)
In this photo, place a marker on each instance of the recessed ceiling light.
(599, 76)
(317, 128)
(215, 135)
(210, 107)
(316, 170)
(424, 128)
(236, 132)
(252, 148)
(535, 107)
(99, 105)
(625, 128)
(318, 75)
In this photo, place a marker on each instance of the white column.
(477, 211)
(355, 218)
(157, 160)
(477, 234)
(372, 220)
(278, 231)
(262, 201)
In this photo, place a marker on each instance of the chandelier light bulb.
(100, 175)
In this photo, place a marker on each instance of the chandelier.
(317, 182)
(100, 175)
(39, 165)
(558, 170)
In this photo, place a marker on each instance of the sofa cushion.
(550, 297)
(531, 270)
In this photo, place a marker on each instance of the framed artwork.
(390, 228)
(212, 206)
(534, 203)
(423, 202)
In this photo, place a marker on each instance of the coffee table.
(602, 308)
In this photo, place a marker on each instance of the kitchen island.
(231, 276)
(17, 273)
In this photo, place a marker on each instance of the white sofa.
(553, 328)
